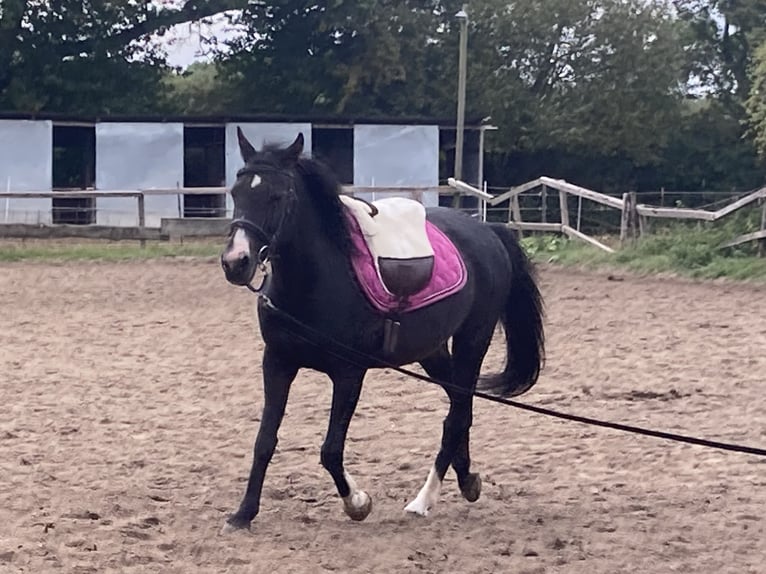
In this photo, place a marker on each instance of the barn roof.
(319, 119)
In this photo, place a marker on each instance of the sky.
(183, 43)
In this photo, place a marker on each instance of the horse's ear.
(246, 149)
(292, 153)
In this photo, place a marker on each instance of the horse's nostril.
(244, 261)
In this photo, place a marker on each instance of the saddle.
(394, 230)
(401, 260)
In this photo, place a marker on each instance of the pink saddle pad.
(448, 277)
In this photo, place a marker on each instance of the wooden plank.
(755, 235)
(175, 228)
(742, 202)
(556, 227)
(25, 231)
(469, 189)
(601, 198)
(570, 232)
(514, 191)
(76, 194)
(415, 193)
(185, 191)
(66, 194)
(564, 208)
(675, 213)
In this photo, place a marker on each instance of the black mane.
(324, 189)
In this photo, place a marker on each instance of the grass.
(687, 250)
(100, 251)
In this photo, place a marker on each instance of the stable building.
(50, 153)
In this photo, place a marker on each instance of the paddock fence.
(559, 207)
(170, 228)
(623, 216)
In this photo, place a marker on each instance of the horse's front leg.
(278, 375)
(347, 384)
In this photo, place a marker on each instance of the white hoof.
(418, 507)
(427, 497)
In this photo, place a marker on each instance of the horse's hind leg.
(347, 385)
(439, 367)
(469, 348)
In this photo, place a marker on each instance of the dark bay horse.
(287, 210)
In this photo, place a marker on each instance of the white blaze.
(240, 247)
(256, 181)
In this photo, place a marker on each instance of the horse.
(288, 215)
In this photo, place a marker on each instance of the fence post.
(142, 217)
(629, 218)
(564, 208)
(544, 197)
(516, 211)
(762, 242)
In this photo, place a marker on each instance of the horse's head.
(263, 195)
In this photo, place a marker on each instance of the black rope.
(362, 360)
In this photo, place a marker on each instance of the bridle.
(266, 252)
(263, 253)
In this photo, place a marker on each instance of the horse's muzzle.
(239, 270)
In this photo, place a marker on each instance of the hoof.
(358, 506)
(418, 507)
(471, 490)
(235, 524)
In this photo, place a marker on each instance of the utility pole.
(462, 17)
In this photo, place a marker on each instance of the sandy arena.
(130, 397)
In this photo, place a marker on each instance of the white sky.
(184, 44)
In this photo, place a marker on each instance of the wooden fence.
(170, 227)
(634, 217)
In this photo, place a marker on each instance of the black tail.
(523, 325)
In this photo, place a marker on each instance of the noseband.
(263, 252)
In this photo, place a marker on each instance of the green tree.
(198, 90)
(603, 75)
(722, 36)
(88, 57)
(344, 56)
(756, 102)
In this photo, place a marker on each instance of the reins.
(357, 358)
